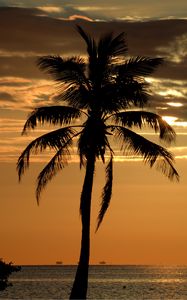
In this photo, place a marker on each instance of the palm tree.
(97, 97)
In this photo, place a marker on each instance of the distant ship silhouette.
(102, 262)
(59, 262)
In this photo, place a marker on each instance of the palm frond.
(139, 66)
(52, 115)
(57, 163)
(78, 97)
(110, 46)
(133, 143)
(91, 45)
(133, 92)
(73, 85)
(91, 50)
(108, 49)
(144, 118)
(120, 95)
(111, 99)
(53, 140)
(107, 192)
(69, 70)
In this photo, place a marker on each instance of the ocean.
(105, 282)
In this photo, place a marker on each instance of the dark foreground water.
(105, 282)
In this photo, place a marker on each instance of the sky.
(147, 219)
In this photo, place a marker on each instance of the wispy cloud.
(80, 17)
(176, 50)
(28, 35)
(51, 9)
(23, 94)
(105, 10)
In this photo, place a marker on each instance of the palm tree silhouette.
(97, 96)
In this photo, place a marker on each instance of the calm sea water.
(105, 282)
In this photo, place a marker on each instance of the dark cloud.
(160, 104)
(9, 83)
(177, 112)
(31, 3)
(25, 30)
(42, 98)
(25, 35)
(24, 67)
(174, 71)
(108, 10)
(6, 97)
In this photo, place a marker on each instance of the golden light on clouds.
(151, 79)
(175, 104)
(177, 49)
(181, 123)
(90, 8)
(170, 92)
(173, 121)
(23, 94)
(48, 29)
(170, 120)
(51, 9)
(75, 17)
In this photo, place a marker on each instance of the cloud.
(14, 81)
(76, 17)
(119, 9)
(166, 91)
(27, 32)
(6, 97)
(24, 94)
(176, 51)
(28, 35)
(51, 9)
(110, 10)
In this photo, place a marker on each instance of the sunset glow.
(171, 92)
(147, 219)
(175, 104)
(169, 120)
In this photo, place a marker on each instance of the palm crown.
(97, 99)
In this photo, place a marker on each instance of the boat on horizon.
(59, 263)
(102, 262)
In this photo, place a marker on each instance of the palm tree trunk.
(79, 289)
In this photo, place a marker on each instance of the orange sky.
(147, 220)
